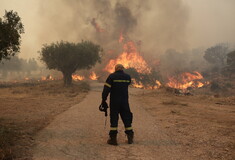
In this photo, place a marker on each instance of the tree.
(230, 68)
(11, 29)
(69, 57)
(29, 65)
(14, 65)
(217, 54)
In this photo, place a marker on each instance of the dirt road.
(79, 133)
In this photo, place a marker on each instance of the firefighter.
(117, 85)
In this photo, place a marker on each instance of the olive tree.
(11, 29)
(217, 54)
(68, 57)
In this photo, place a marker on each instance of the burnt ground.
(26, 108)
(167, 126)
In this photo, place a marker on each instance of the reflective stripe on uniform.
(108, 85)
(121, 81)
(113, 128)
(128, 128)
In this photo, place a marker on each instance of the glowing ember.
(186, 80)
(77, 77)
(130, 58)
(43, 78)
(93, 76)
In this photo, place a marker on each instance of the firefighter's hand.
(103, 101)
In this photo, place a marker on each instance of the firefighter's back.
(119, 89)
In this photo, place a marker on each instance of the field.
(202, 124)
(27, 108)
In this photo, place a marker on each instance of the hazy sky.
(209, 22)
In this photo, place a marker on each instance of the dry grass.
(174, 102)
(205, 128)
(27, 108)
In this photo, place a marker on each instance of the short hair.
(119, 67)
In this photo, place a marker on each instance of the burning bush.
(143, 80)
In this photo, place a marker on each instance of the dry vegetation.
(202, 124)
(27, 108)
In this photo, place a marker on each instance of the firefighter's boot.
(130, 137)
(112, 139)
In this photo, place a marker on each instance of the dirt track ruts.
(79, 133)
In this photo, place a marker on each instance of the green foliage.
(69, 57)
(11, 29)
(216, 54)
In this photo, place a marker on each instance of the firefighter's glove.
(103, 107)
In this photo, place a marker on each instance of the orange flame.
(130, 58)
(77, 77)
(140, 85)
(185, 80)
(121, 38)
(43, 78)
(49, 77)
(93, 76)
(158, 84)
(137, 85)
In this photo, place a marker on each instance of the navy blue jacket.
(117, 85)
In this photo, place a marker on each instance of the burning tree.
(69, 57)
(10, 30)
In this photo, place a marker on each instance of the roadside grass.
(174, 102)
(25, 109)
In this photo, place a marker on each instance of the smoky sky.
(159, 24)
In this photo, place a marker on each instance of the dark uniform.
(117, 85)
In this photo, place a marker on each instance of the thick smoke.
(158, 24)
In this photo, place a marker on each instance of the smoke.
(165, 29)
(158, 24)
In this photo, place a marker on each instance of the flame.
(137, 85)
(140, 85)
(77, 77)
(43, 78)
(49, 77)
(121, 38)
(129, 58)
(158, 83)
(93, 76)
(186, 80)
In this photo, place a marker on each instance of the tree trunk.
(67, 78)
